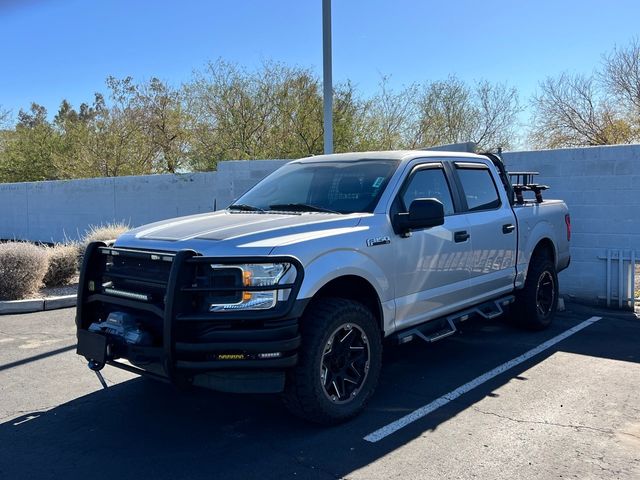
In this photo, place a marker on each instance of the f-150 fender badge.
(372, 242)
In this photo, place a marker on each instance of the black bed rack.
(524, 182)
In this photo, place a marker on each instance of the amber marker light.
(246, 281)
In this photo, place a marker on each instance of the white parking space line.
(443, 400)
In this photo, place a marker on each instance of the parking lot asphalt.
(572, 410)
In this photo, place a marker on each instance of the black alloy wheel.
(537, 302)
(345, 363)
(545, 294)
(339, 361)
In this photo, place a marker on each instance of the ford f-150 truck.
(294, 286)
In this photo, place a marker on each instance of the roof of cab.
(398, 155)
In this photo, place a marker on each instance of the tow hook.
(96, 367)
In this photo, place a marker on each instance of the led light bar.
(270, 355)
(126, 294)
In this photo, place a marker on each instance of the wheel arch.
(353, 287)
(541, 238)
(545, 246)
(528, 302)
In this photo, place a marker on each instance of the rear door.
(492, 231)
(431, 265)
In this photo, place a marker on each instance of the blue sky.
(52, 50)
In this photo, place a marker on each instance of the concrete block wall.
(59, 210)
(601, 186)
(236, 177)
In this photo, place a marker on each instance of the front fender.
(338, 263)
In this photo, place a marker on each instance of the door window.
(428, 183)
(479, 189)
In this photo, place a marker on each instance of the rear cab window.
(479, 188)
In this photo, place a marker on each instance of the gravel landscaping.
(48, 292)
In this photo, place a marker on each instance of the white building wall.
(601, 186)
(58, 210)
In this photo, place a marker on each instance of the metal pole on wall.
(327, 80)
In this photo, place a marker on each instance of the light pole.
(327, 82)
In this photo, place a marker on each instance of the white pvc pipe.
(620, 278)
(608, 278)
(633, 278)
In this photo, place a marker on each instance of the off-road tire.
(530, 311)
(305, 392)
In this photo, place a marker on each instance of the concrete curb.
(37, 305)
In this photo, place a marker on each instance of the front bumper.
(190, 344)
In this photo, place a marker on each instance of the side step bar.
(437, 329)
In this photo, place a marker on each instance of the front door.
(431, 265)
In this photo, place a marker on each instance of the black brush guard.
(234, 340)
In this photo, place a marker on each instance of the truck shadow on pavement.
(142, 429)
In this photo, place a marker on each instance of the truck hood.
(225, 232)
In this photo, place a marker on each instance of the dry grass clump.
(22, 269)
(63, 264)
(108, 231)
(102, 233)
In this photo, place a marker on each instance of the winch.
(122, 327)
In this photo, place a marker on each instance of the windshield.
(337, 187)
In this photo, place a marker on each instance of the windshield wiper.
(243, 207)
(300, 207)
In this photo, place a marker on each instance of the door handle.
(462, 236)
(508, 228)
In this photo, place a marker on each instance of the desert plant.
(63, 264)
(22, 269)
(101, 233)
(104, 232)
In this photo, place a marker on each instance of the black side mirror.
(423, 213)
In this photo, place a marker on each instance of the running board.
(437, 329)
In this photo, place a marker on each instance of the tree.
(451, 111)
(4, 117)
(29, 150)
(350, 123)
(296, 119)
(163, 122)
(106, 140)
(621, 75)
(272, 112)
(573, 110)
(73, 159)
(5, 134)
(598, 109)
(228, 112)
(119, 133)
(143, 130)
(229, 109)
(390, 118)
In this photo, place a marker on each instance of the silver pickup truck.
(294, 287)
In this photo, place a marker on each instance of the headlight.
(248, 275)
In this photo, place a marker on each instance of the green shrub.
(63, 264)
(22, 269)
